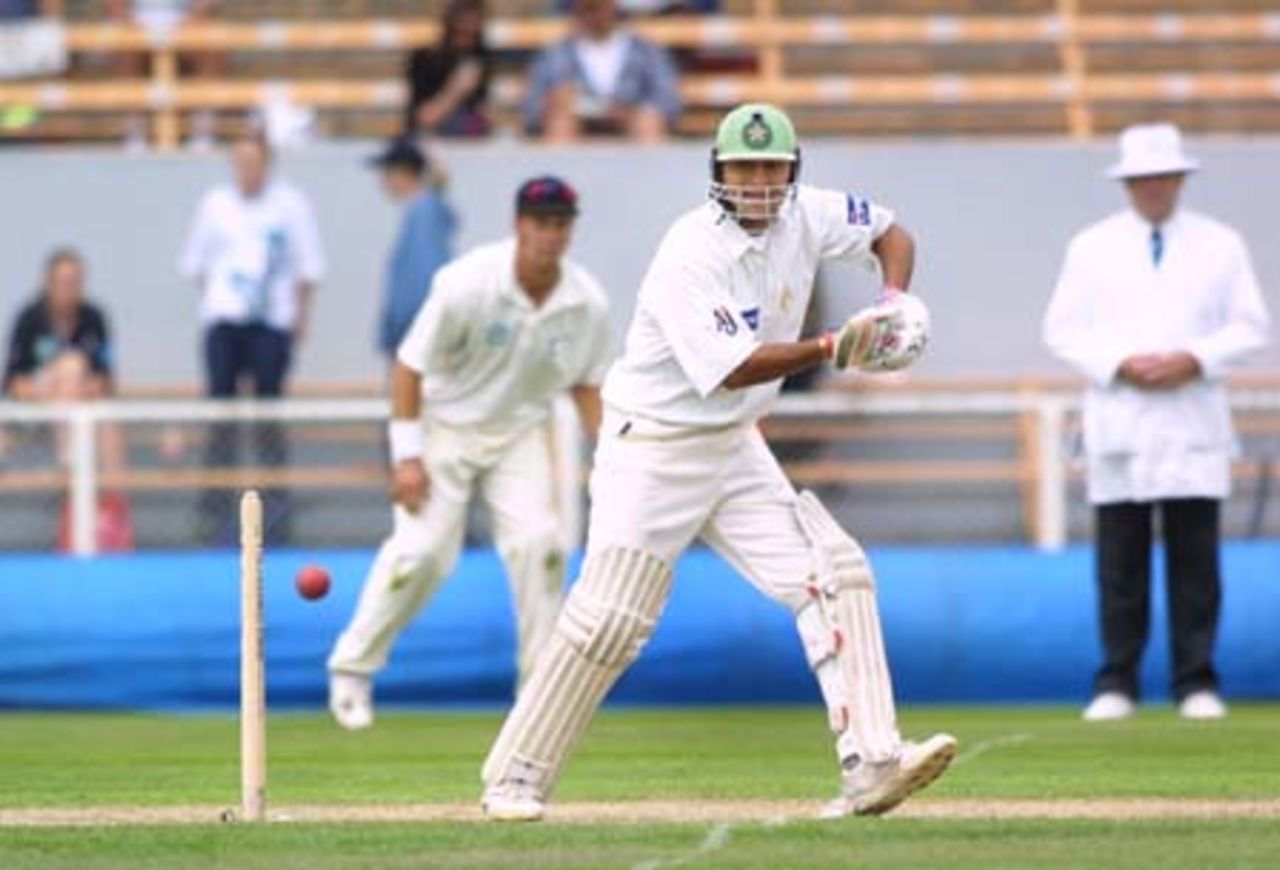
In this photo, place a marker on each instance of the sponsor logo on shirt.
(725, 321)
(752, 318)
(498, 333)
(859, 211)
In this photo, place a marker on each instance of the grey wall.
(991, 221)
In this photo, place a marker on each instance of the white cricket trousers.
(514, 474)
(657, 489)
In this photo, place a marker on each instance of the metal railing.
(1044, 462)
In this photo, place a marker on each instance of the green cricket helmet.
(754, 131)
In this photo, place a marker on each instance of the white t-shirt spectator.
(249, 255)
(602, 61)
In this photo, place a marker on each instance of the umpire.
(1153, 304)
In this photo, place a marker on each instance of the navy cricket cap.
(547, 195)
(402, 152)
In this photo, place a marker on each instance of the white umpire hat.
(1152, 149)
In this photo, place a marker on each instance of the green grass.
(111, 760)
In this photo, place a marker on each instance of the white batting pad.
(606, 620)
(840, 630)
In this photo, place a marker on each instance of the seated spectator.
(601, 80)
(163, 16)
(60, 345)
(60, 351)
(423, 244)
(449, 84)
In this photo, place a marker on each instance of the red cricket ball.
(312, 582)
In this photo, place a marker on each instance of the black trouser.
(1191, 536)
(261, 353)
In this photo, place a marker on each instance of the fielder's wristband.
(888, 292)
(827, 341)
(405, 437)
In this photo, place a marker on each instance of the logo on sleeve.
(859, 211)
(725, 321)
(752, 318)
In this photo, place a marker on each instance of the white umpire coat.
(1112, 302)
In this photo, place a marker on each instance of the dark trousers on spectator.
(259, 353)
(1191, 545)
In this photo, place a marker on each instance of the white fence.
(1051, 414)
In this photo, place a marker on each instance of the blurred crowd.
(602, 79)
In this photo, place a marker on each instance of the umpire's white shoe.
(1204, 704)
(512, 801)
(871, 789)
(1108, 707)
(351, 700)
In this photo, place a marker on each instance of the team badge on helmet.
(756, 134)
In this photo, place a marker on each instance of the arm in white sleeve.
(699, 319)
(1246, 323)
(193, 262)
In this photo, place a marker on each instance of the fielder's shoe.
(1205, 704)
(351, 700)
(1108, 707)
(871, 789)
(513, 801)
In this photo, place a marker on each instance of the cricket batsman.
(504, 329)
(680, 457)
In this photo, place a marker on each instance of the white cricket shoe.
(1204, 704)
(513, 801)
(871, 789)
(351, 700)
(1108, 707)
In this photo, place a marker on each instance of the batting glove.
(890, 335)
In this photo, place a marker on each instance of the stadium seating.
(912, 67)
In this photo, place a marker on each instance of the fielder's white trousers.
(657, 489)
(513, 473)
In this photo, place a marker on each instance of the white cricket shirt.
(488, 357)
(714, 293)
(249, 254)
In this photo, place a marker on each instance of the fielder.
(680, 457)
(505, 329)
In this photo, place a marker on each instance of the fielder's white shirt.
(249, 254)
(1112, 302)
(488, 357)
(714, 293)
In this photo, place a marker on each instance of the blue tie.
(1157, 245)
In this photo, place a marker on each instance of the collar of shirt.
(566, 293)
(1168, 229)
(739, 240)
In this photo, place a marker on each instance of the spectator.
(449, 84)
(602, 79)
(163, 16)
(16, 10)
(255, 252)
(423, 245)
(1153, 303)
(60, 351)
